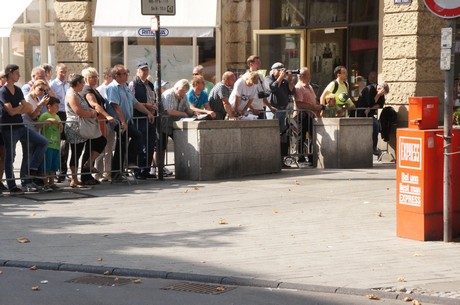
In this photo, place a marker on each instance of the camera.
(296, 71)
(262, 94)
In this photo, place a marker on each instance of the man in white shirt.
(244, 92)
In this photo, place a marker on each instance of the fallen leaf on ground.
(401, 279)
(100, 259)
(107, 272)
(36, 288)
(275, 212)
(289, 190)
(407, 299)
(373, 297)
(137, 281)
(297, 182)
(379, 214)
(220, 288)
(186, 191)
(415, 302)
(223, 222)
(33, 268)
(419, 254)
(23, 240)
(196, 188)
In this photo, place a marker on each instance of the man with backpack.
(340, 88)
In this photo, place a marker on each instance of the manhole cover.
(101, 280)
(199, 288)
(56, 196)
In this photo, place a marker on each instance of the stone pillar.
(411, 52)
(236, 28)
(411, 46)
(74, 41)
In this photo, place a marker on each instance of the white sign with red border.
(444, 8)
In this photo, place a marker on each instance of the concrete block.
(343, 142)
(74, 51)
(73, 10)
(140, 273)
(73, 31)
(207, 150)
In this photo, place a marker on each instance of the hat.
(277, 65)
(343, 97)
(142, 65)
(10, 68)
(163, 83)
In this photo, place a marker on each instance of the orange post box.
(423, 112)
(419, 184)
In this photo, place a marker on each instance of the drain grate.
(199, 288)
(101, 280)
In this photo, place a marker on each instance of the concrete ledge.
(343, 142)
(209, 150)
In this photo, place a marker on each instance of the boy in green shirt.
(51, 130)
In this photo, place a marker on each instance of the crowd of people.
(50, 117)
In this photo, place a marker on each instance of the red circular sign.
(444, 8)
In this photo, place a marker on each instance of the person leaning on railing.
(14, 105)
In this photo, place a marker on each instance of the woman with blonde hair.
(97, 102)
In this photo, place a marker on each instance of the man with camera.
(281, 87)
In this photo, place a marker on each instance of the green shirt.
(51, 131)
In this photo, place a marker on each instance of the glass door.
(327, 49)
(286, 46)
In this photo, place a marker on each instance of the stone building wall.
(74, 41)
(236, 32)
(411, 54)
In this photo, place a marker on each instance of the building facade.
(400, 43)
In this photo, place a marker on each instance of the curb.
(223, 280)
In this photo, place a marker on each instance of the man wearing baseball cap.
(281, 86)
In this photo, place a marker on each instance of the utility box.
(419, 184)
(423, 112)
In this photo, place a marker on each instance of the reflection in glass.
(326, 52)
(327, 12)
(288, 51)
(364, 49)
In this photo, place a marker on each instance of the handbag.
(88, 128)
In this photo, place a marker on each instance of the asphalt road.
(19, 286)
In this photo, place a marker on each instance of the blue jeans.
(11, 136)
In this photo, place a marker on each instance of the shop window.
(327, 12)
(289, 13)
(327, 51)
(176, 56)
(364, 50)
(364, 10)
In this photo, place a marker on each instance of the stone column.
(411, 54)
(411, 46)
(236, 28)
(74, 41)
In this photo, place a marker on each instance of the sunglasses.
(41, 89)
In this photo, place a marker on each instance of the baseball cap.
(10, 68)
(277, 65)
(142, 65)
(163, 83)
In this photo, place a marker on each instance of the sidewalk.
(333, 228)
